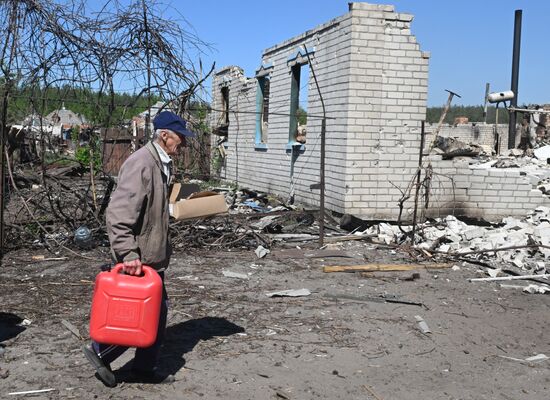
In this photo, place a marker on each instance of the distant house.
(138, 122)
(35, 124)
(63, 120)
(155, 109)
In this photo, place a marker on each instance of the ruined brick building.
(373, 78)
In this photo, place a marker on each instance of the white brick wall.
(373, 77)
(270, 170)
(472, 133)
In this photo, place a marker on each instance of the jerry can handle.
(146, 270)
(106, 267)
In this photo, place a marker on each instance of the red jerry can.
(126, 308)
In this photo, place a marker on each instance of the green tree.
(301, 115)
(473, 113)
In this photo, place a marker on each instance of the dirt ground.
(226, 339)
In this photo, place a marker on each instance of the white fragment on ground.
(264, 222)
(494, 272)
(536, 358)
(424, 328)
(474, 233)
(290, 293)
(452, 236)
(508, 286)
(542, 153)
(261, 251)
(231, 274)
(533, 288)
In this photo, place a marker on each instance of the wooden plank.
(382, 267)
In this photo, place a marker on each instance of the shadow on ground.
(182, 338)
(9, 326)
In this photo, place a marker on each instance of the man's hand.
(132, 267)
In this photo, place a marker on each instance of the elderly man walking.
(137, 224)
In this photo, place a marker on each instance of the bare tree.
(60, 44)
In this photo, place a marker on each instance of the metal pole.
(487, 86)
(418, 176)
(322, 163)
(515, 78)
(496, 134)
(322, 184)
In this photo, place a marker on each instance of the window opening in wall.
(223, 122)
(262, 110)
(225, 105)
(298, 103)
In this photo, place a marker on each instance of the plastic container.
(83, 237)
(126, 308)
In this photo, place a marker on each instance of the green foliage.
(217, 161)
(93, 105)
(75, 132)
(82, 155)
(473, 113)
(33, 228)
(216, 182)
(199, 109)
(301, 115)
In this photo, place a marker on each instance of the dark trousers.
(145, 358)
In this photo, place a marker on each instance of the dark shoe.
(104, 373)
(139, 376)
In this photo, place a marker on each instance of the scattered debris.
(542, 153)
(382, 267)
(261, 251)
(537, 358)
(413, 277)
(532, 288)
(383, 298)
(71, 328)
(352, 223)
(533, 359)
(424, 328)
(43, 258)
(31, 392)
(522, 244)
(493, 273)
(282, 395)
(231, 274)
(372, 392)
(452, 147)
(509, 278)
(83, 238)
(290, 293)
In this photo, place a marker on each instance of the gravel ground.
(226, 339)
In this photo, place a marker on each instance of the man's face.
(171, 142)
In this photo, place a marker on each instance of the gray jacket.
(138, 214)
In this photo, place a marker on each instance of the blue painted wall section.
(262, 78)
